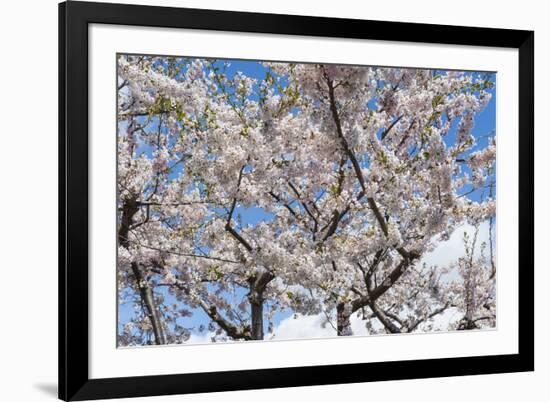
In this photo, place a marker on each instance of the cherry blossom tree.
(475, 291)
(392, 185)
(353, 168)
(180, 184)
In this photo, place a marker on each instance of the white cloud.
(358, 325)
(303, 326)
(310, 327)
(442, 321)
(449, 251)
(197, 338)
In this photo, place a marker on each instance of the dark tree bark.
(343, 324)
(148, 299)
(384, 319)
(258, 285)
(257, 315)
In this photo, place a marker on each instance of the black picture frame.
(74, 381)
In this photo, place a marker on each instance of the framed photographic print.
(257, 201)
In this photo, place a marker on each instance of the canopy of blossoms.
(357, 173)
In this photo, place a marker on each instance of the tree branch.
(212, 312)
(387, 131)
(386, 322)
(303, 203)
(429, 316)
(228, 226)
(207, 257)
(358, 172)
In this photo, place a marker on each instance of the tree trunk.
(129, 209)
(148, 299)
(257, 314)
(256, 299)
(343, 324)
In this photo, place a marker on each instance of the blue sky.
(485, 124)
